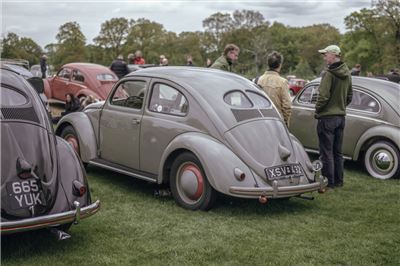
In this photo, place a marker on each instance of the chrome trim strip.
(317, 152)
(49, 220)
(276, 192)
(122, 171)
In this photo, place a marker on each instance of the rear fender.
(87, 92)
(71, 169)
(85, 133)
(383, 132)
(217, 161)
(47, 89)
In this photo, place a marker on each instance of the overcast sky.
(40, 20)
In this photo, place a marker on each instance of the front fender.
(85, 133)
(381, 131)
(217, 160)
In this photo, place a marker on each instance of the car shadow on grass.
(225, 205)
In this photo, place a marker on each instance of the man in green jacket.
(226, 60)
(335, 93)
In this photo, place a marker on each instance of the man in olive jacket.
(335, 93)
(226, 60)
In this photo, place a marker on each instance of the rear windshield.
(11, 97)
(106, 77)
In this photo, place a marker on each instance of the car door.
(302, 122)
(59, 86)
(120, 123)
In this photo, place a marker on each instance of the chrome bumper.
(278, 192)
(50, 220)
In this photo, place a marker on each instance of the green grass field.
(358, 224)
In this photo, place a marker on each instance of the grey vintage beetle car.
(201, 130)
(43, 183)
(372, 132)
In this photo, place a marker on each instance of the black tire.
(68, 133)
(382, 160)
(189, 184)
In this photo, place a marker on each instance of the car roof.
(89, 67)
(203, 80)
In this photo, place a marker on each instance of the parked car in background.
(372, 131)
(82, 80)
(43, 183)
(201, 131)
(132, 67)
(37, 72)
(295, 85)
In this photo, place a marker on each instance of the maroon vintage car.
(295, 85)
(82, 80)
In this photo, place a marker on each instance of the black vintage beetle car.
(43, 182)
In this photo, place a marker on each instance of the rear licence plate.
(284, 171)
(23, 194)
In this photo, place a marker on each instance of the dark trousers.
(330, 134)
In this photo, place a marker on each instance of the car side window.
(259, 101)
(309, 95)
(129, 94)
(78, 76)
(363, 102)
(168, 100)
(64, 73)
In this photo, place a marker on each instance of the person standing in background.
(276, 87)
(335, 93)
(228, 58)
(43, 65)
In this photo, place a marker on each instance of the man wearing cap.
(335, 93)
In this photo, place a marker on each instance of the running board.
(108, 166)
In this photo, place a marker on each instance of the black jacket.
(119, 67)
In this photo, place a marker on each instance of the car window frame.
(62, 77)
(77, 81)
(354, 87)
(170, 84)
(109, 105)
(360, 89)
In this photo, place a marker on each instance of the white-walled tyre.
(381, 160)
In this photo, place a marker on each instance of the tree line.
(372, 40)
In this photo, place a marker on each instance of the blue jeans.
(330, 134)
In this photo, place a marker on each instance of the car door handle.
(136, 121)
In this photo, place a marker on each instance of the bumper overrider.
(276, 191)
(50, 220)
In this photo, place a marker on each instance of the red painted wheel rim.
(199, 178)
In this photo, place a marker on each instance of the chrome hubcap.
(383, 161)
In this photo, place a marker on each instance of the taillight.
(79, 188)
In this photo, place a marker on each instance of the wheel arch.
(83, 128)
(217, 160)
(372, 135)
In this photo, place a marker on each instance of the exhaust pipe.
(263, 199)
